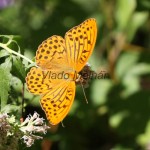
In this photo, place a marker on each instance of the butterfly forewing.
(80, 42)
(51, 54)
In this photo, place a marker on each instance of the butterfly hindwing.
(58, 102)
(35, 81)
(41, 81)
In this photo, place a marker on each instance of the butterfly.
(59, 62)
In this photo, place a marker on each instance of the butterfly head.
(85, 75)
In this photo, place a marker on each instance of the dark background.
(118, 113)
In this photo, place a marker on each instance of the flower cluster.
(33, 125)
(12, 132)
(7, 140)
(4, 128)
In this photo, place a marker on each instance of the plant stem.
(4, 46)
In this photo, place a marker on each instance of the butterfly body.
(59, 62)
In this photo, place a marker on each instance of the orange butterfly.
(58, 55)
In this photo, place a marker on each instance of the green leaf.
(124, 10)
(18, 69)
(100, 89)
(131, 80)
(143, 138)
(5, 77)
(16, 84)
(137, 20)
(126, 61)
(144, 4)
(116, 119)
(3, 53)
(7, 64)
(10, 108)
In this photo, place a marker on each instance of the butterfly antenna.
(62, 124)
(84, 92)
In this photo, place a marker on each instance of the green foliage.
(4, 85)
(12, 70)
(125, 9)
(19, 69)
(118, 114)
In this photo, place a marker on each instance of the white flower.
(4, 124)
(10, 130)
(33, 125)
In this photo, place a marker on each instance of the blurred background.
(117, 116)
